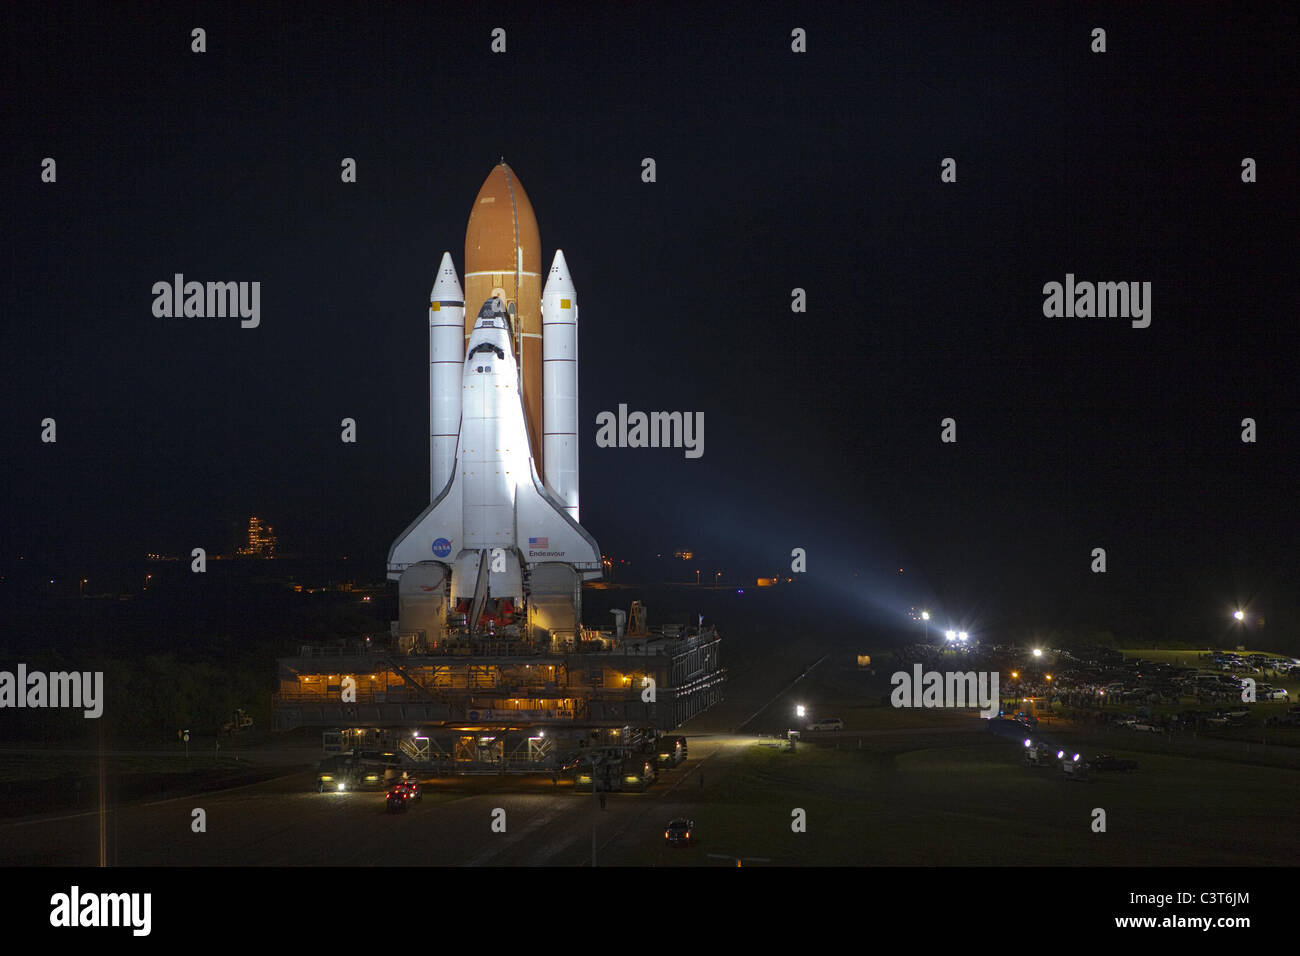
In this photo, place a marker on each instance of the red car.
(403, 794)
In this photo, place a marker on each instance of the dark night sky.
(775, 170)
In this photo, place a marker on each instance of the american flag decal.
(539, 542)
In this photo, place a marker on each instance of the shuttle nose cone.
(492, 315)
(446, 287)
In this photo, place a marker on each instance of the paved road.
(283, 822)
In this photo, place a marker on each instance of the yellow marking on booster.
(566, 304)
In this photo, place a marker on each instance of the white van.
(827, 723)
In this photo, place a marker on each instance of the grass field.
(932, 787)
(930, 801)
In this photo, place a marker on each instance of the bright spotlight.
(951, 635)
(1038, 652)
(1239, 615)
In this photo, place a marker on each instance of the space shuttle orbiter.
(494, 499)
(498, 541)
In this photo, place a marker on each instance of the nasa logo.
(442, 547)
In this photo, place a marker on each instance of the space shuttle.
(499, 550)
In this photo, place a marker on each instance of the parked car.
(828, 723)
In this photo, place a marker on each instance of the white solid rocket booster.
(446, 364)
(560, 385)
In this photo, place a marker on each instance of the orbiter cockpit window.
(487, 347)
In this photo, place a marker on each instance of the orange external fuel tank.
(503, 250)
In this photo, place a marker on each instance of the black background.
(775, 171)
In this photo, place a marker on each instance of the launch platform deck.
(656, 679)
